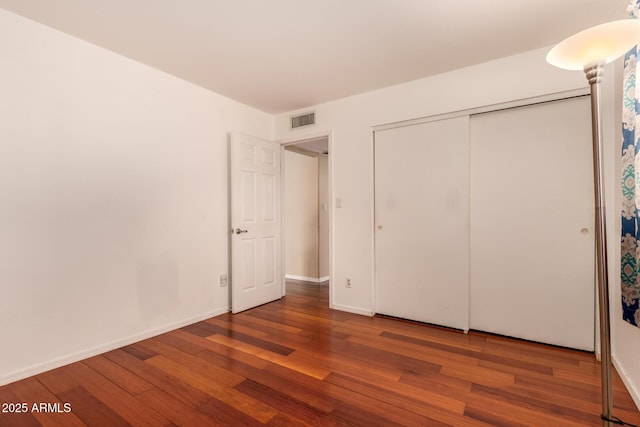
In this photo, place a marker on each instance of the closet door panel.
(421, 222)
(532, 223)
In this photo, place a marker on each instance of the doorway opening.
(306, 207)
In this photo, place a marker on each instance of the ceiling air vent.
(306, 119)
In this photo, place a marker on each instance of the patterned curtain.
(630, 274)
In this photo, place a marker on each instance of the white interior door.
(256, 265)
(532, 237)
(422, 222)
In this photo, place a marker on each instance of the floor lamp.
(589, 51)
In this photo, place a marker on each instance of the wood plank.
(624, 407)
(568, 413)
(452, 341)
(224, 414)
(515, 414)
(115, 398)
(185, 346)
(315, 334)
(553, 358)
(301, 366)
(384, 354)
(261, 324)
(540, 349)
(221, 377)
(584, 378)
(445, 385)
(428, 404)
(317, 320)
(292, 407)
(222, 392)
(276, 316)
(34, 392)
(336, 362)
(282, 420)
(90, 409)
(405, 391)
(199, 330)
(15, 417)
(239, 368)
(231, 324)
(517, 368)
(468, 351)
(139, 352)
(173, 409)
(229, 354)
(271, 335)
(427, 356)
(180, 390)
(125, 379)
(492, 418)
(350, 402)
(248, 339)
(57, 381)
(479, 375)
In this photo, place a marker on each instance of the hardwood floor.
(295, 362)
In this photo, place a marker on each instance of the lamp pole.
(594, 76)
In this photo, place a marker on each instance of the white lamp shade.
(600, 44)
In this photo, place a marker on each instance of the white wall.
(351, 121)
(113, 198)
(301, 216)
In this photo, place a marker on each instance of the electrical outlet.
(223, 281)
(348, 282)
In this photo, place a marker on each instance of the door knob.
(239, 231)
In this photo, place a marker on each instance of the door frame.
(294, 141)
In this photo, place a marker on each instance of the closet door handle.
(239, 231)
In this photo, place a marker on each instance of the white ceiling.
(281, 55)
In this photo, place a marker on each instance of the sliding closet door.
(421, 222)
(532, 235)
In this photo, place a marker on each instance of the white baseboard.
(631, 387)
(85, 354)
(306, 278)
(355, 310)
